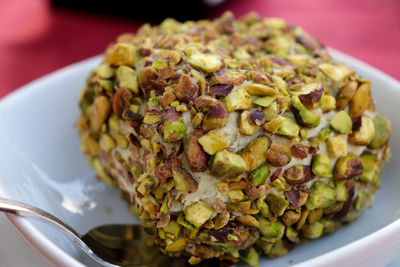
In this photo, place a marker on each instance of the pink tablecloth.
(36, 39)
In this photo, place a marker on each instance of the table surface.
(36, 39)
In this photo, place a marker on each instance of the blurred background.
(40, 36)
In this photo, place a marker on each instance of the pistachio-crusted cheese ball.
(233, 138)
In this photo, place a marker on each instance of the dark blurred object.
(147, 10)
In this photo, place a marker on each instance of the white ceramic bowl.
(41, 164)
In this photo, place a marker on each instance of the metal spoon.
(109, 245)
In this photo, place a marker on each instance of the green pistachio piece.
(177, 245)
(271, 111)
(321, 165)
(98, 112)
(245, 125)
(369, 166)
(106, 84)
(303, 115)
(330, 225)
(198, 213)
(342, 194)
(123, 54)
(107, 142)
(324, 134)
(271, 231)
(206, 62)
(213, 142)
(348, 167)
(333, 72)
(337, 146)
(364, 135)
(361, 100)
(361, 201)
(263, 206)
(173, 131)
(227, 164)
(159, 65)
(86, 101)
(260, 90)
(252, 257)
(183, 180)
(105, 71)
(292, 235)
(279, 46)
(264, 101)
(313, 230)
(216, 117)
(102, 174)
(341, 122)
(259, 175)
(279, 154)
(328, 103)
(321, 196)
(182, 221)
(277, 204)
(128, 79)
(236, 195)
(145, 187)
(237, 99)
(382, 132)
(254, 154)
(289, 128)
(278, 249)
(173, 228)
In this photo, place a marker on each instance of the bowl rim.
(55, 255)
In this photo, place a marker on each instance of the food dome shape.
(231, 138)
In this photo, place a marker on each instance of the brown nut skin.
(196, 157)
(186, 90)
(204, 102)
(290, 217)
(298, 174)
(348, 167)
(360, 101)
(164, 172)
(216, 117)
(279, 154)
(312, 98)
(346, 94)
(121, 101)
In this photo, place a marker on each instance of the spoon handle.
(25, 210)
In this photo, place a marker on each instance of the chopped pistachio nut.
(98, 112)
(333, 72)
(273, 125)
(277, 204)
(105, 71)
(288, 128)
(252, 257)
(197, 119)
(227, 164)
(198, 213)
(341, 122)
(361, 100)
(213, 142)
(370, 166)
(382, 132)
(102, 174)
(151, 119)
(271, 111)
(107, 142)
(321, 166)
(364, 135)
(236, 196)
(292, 235)
(330, 225)
(183, 181)
(312, 231)
(324, 133)
(245, 125)
(260, 90)
(345, 94)
(303, 115)
(279, 154)
(237, 100)
(336, 146)
(177, 245)
(204, 62)
(341, 191)
(348, 167)
(328, 103)
(173, 131)
(321, 196)
(123, 54)
(259, 175)
(271, 231)
(254, 154)
(127, 79)
(264, 101)
(122, 141)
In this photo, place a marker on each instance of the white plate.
(41, 164)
